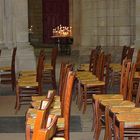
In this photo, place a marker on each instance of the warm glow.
(62, 31)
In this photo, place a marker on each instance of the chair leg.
(107, 135)
(79, 96)
(94, 116)
(98, 124)
(17, 98)
(85, 99)
(28, 132)
(53, 79)
(121, 131)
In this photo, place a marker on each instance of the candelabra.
(63, 31)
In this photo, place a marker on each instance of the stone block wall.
(109, 23)
(35, 20)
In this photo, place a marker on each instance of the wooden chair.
(58, 99)
(59, 111)
(64, 123)
(30, 85)
(115, 68)
(111, 111)
(102, 103)
(91, 86)
(89, 66)
(7, 73)
(49, 76)
(35, 123)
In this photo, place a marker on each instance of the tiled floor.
(7, 110)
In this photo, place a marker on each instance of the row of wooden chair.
(95, 81)
(30, 83)
(115, 110)
(115, 68)
(60, 107)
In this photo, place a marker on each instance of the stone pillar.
(137, 41)
(21, 22)
(86, 28)
(14, 33)
(1, 23)
(75, 22)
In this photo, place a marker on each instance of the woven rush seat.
(129, 119)
(108, 96)
(27, 73)
(125, 109)
(93, 83)
(58, 138)
(83, 67)
(27, 79)
(60, 123)
(55, 111)
(117, 103)
(28, 84)
(83, 73)
(5, 68)
(115, 67)
(137, 75)
(39, 98)
(88, 79)
(48, 67)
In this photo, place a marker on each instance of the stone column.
(1, 23)
(86, 28)
(21, 22)
(137, 41)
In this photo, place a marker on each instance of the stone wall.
(35, 20)
(109, 23)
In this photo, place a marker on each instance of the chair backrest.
(48, 132)
(138, 96)
(13, 67)
(129, 92)
(138, 61)
(94, 60)
(61, 77)
(41, 119)
(68, 68)
(67, 104)
(124, 77)
(100, 66)
(40, 68)
(124, 53)
(107, 68)
(54, 56)
(130, 53)
(91, 59)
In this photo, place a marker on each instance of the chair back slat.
(67, 104)
(124, 77)
(13, 73)
(124, 53)
(130, 53)
(54, 56)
